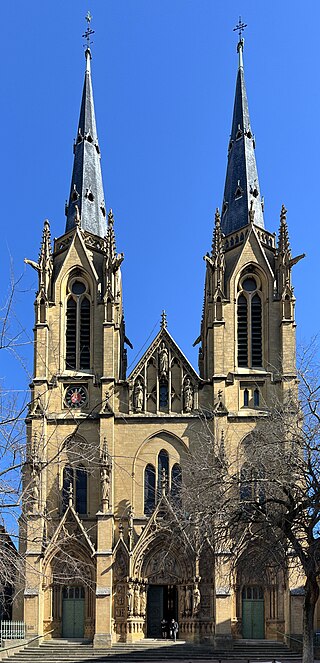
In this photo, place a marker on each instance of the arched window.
(256, 331)
(163, 464)
(176, 481)
(81, 490)
(77, 477)
(249, 323)
(163, 393)
(256, 398)
(78, 327)
(149, 489)
(42, 310)
(246, 398)
(242, 331)
(252, 484)
(246, 484)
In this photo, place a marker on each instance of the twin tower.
(106, 450)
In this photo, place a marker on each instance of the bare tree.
(260, 504)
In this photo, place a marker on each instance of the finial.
(163, 482)
(87, 34)
(283, 214)
(110, 217)
(240, 28)
(163, 320)
(217, 217)
(70, 496)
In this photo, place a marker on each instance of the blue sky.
(164, 78)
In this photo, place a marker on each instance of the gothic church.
(106, 449)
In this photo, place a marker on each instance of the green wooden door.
(154, 610)
(73, 612)
(252, 613)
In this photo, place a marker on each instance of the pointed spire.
(242, 191)
(86, 202)
(283, 243)
(217, 247)
(111, 237)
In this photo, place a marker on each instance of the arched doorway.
(252, 612)
(73, 606)
(162, 603)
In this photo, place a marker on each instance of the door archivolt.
(162, 563)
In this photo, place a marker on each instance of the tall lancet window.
(78, 322)
(249, 323)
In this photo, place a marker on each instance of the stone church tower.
(106, 451)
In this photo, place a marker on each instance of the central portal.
(162, 603)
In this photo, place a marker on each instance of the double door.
(73, 612)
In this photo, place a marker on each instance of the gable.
(251, 252)
(163, 381)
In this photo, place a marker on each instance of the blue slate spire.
(86, 193)
(241, 191)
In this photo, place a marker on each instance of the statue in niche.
(105, 469)
(129, 598)
(143, 602)
(163, 359)
(196, 599)
(138, 396)
(136, 601)
(187, 395)
(187, 601)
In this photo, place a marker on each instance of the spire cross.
(87, 34)
(240, 27)
(163, 320)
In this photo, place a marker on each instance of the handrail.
(25, 643)
(287, 635)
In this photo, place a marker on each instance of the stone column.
(103, 623)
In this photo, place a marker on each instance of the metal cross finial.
(240, 27)
(87, 34)
(163, 320)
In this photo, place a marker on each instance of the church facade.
(106, 450)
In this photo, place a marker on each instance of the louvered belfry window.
(78, 326)
(242, 331)
(249, 324)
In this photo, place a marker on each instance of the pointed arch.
(149, 489)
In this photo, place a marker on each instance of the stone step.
(152, 651)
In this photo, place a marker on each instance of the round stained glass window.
(78, 288)
(249, 284)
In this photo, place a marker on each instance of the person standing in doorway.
(173, 629)
(164, 627)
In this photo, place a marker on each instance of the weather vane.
(87, 34)
(240, 27)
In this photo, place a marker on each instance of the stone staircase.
(54, 651)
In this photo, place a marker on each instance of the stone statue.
(136, 601)
(143, 602)
(187, 395)
(138, 396)
(163, 359)
(187, 601)
(105, 469)
(196, 599)
(129, 599)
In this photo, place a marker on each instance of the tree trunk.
(309, 604)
